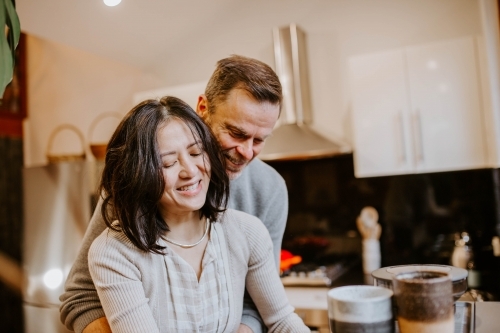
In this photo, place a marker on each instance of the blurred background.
(406, 91)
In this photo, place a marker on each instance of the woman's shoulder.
(246, 236)
(235, 221)
(232, 216)
(113, 242)
(113, 252)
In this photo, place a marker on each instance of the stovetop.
(314, 275)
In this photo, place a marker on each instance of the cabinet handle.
(400, 134)
(417, 129)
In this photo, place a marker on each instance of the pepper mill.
(370, 229)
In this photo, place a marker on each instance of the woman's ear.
(202, 107)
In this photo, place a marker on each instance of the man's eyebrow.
(235, 130)
(196, 143)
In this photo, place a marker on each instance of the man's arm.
(275, 219)
(80, 302)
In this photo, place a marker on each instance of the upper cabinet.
(418, 110)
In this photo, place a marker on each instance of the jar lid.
(387, 273)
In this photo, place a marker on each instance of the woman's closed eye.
(169, 164)
(196, 151)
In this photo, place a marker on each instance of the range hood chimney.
(293, 138)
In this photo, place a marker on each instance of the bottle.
(465, 256)
(474, 277)
(461, 252)
(370, 230)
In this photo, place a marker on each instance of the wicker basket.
(99, 149)
(52, 158)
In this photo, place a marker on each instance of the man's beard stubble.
(234, 157)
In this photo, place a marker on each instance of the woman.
(173, 259)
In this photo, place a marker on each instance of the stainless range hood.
(293, 138)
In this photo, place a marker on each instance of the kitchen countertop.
(307, 297)
(311, 304)
(304, 297)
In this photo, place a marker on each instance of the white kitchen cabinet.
(380, 115)
(417, 110)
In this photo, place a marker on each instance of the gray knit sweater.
(131, 283)
(259, 191)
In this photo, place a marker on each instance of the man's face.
(241, 125)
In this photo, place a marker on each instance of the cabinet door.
(380, 115)
(446, 114)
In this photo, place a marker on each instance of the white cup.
(356, 309)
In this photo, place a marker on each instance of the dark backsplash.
(420, 214)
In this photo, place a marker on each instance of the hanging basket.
(52, 158)
(98, 149)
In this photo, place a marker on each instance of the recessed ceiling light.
(111, 3)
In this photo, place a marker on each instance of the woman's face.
(185, 169)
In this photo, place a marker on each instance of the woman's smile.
(190, 190)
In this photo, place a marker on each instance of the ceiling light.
(111, 3)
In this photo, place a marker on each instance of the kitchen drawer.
(311, 305)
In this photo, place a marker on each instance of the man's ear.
(202, 106)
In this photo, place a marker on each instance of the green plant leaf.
(14, 26)
(8, 42)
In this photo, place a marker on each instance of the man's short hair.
(248, 74)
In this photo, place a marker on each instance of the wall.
(336, 30)
(69, 86)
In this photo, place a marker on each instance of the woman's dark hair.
(132, 181)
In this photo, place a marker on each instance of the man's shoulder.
(259, 190)
(259, 172)
(259, 166)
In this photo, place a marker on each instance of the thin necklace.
(187, 246)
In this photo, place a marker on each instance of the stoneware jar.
(357, 309)
(424, 301)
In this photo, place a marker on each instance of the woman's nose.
(189, 169)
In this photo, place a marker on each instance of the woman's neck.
(186, 228)
(188, 237)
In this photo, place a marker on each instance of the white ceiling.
(144, 33)
(179, 41)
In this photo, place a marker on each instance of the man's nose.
(246, 149)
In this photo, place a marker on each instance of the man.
(241, 105)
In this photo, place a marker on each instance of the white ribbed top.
(132, 284)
